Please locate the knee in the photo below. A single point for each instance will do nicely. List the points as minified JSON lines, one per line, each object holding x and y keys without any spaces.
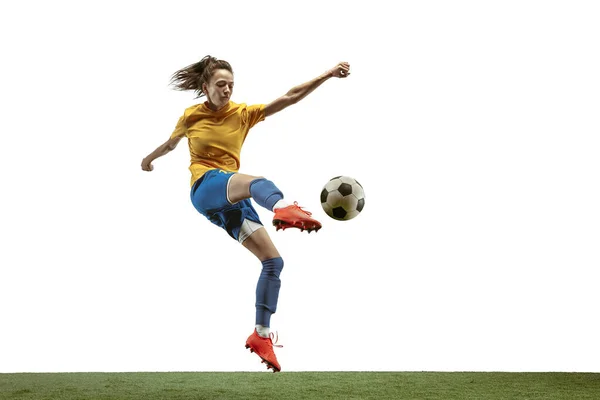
{"x":278,"y":263}
{"x":256,"y":180}
{"x":273,"y":266}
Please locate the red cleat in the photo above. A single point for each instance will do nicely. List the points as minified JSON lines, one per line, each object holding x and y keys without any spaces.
{"x":294,"y":216}
{"x":263,"y":347}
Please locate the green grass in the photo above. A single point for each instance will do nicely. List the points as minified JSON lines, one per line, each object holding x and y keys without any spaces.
{"x":300,"y":385}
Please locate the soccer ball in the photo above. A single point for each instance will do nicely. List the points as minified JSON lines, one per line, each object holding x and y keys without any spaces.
{"x":342,"y":198}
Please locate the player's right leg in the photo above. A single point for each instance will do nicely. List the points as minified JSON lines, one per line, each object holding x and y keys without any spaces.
{"x":267,"y":294}
{"x":242,"y":223}
{"x":267,"y":195}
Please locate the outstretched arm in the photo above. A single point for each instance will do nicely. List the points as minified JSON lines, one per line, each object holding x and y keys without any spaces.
{"x":341,"y":70}
{"x":159,"y":152}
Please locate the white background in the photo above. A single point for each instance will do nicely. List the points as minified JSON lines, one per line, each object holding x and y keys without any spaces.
{"x":473,"y":127}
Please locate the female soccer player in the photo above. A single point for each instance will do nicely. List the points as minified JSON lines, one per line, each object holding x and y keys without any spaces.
{"x":216,"y":130}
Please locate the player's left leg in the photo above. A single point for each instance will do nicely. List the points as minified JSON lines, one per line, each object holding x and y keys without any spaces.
{"x":267,"y":195}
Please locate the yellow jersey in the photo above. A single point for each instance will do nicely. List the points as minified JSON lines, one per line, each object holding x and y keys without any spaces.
{"x":215,"y":138}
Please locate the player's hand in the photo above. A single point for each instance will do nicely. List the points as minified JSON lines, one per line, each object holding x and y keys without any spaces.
{"x":147,"y":165}
{"x":342,"y":70}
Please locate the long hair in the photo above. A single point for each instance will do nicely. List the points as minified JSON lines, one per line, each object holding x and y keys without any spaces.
{"x":194,"y":75}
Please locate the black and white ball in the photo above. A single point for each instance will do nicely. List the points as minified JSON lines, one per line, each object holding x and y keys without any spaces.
{"x":342,"y":198}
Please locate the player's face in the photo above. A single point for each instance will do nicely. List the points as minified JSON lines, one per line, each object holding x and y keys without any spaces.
{"x":219,"y":89}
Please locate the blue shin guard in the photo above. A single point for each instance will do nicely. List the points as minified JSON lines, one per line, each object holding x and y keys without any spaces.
{"x":267,"y":290}
{"x":265,"y":193}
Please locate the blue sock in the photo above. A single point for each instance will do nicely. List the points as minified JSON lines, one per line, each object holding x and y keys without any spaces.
{"x":265,"y":193}
{"x":267,"y":290}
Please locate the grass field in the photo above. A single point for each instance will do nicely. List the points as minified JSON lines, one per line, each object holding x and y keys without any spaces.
{"x":300,"y":385}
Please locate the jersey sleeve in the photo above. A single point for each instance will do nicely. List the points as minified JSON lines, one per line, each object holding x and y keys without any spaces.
{"x":256,"y":113}
{"x":180,"y":128}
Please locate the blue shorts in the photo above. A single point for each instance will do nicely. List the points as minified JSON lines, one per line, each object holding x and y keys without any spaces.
{"x":209,"y":197}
